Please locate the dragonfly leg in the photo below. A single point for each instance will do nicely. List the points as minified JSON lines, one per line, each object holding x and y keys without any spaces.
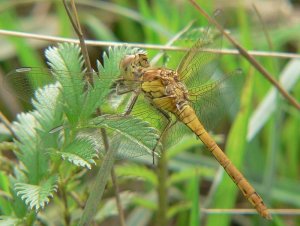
{"x":168,"y":125}
{"x":173,"y":123}
{"x":120,"y":90}
{"x":132,"y":102}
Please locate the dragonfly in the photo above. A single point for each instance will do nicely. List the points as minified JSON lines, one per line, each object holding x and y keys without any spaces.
{"x":171,"y":92}
{"x":190,"y":94}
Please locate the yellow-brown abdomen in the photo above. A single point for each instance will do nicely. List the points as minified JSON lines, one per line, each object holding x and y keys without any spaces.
{"x":187,"y":116}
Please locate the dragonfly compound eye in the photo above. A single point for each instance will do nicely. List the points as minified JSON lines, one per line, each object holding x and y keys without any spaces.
{"x":143,"y":60}
{"x":126,"y":61}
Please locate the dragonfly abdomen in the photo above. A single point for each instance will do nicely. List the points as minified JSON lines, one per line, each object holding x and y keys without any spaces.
{"x":188,"y":116}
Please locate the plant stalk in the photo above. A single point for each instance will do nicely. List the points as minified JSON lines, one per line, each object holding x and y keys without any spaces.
{"x":162,"y":190}
{"x":78,"y":30}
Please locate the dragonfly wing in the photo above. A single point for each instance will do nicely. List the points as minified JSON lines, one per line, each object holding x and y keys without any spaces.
{"x":214,"y":99}
{"x":200,"y":62}
{"x":26,"y":80}
{"x":149,"y":113}
{"x":175,"y":133}
{"x":136,"y":137}
{"x":146,"y":112}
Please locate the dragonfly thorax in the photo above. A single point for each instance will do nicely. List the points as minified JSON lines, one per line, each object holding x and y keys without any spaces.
{"x":164,"y":90}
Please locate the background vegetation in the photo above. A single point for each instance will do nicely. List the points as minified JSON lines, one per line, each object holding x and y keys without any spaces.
{"x":262,"y":139}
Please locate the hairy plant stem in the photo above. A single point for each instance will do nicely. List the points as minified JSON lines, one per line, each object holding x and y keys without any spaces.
{"x":162,"y":190}
{"x":78,"y":30}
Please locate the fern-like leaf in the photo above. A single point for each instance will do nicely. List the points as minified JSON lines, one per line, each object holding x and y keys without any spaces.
{"x":31,"y":151}
{"x":32,"y":130}
{"x":48,"y":108}
{"x":107,"y":74}
{"x":66,"y":62}
{"x":37,"y":196}
{"x":138,"y":137}
{"x":80,"y":152}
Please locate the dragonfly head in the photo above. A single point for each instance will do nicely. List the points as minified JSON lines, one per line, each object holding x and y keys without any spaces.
{"x":132,"y":66}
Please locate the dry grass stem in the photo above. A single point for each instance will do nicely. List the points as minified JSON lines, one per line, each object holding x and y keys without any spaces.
{"x":50,"y":38}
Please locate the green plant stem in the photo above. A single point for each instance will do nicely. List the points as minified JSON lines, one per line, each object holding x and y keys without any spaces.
{"x":98,"y":188}
{"x":272,"y":156}
{"x":162,"y":190}
{"x":31,"y":218}
{"x":118,"y":199}
{"x":76,"y":25}
{"x":113,"y":178}
{"x":67,"y":216}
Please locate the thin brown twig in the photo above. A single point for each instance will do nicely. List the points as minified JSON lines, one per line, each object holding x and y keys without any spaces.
{"x":77,"y":199}
{"x":142,"y":45}
{"x":264,"y":27}
{"x":76,"y":25}
{"x":251,"y":59}
{"x":7,"y":124}
{"x":295,"y":212}
{"x":267,"y":35}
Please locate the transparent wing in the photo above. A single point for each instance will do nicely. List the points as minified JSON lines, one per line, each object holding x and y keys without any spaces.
{"x":214,"y":99}
{"x":200,"y":62}
{"x":137,"y":137}
{"x":144,"y":111}
{"x":149,"y":113}
{"x":27,"y":79}
{"x":23,"y":79}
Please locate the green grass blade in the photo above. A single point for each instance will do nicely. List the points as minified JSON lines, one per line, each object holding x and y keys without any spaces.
{"x":194,"y":199}
{"x":288,"y":78}
{"x":98,"y":188}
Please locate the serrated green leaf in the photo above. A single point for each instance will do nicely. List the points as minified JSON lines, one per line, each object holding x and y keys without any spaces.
{"x":138,"y":137}
{"x":67,"y":63}
{"x":48,"y":108}
{"x":37,"y":196}
{"x":32,"y":130}
{"x":31,"y":153}
{"x":107,"y":74}
{"x":80,"y":152}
